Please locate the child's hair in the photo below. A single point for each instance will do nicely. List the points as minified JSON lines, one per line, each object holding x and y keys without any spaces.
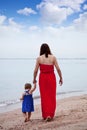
{"x":27,"y":86}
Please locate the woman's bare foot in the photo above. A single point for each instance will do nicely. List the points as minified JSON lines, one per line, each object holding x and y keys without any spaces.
{"x":48,"y":119}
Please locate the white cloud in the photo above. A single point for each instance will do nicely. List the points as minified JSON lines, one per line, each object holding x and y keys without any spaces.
{"x":26,"y":11}
{"x":2,"y":19}
{"x":74,"y":4}
{"x":85,"y":7}
{"x":55,"y":12}
{"x":10,"y":29}
{"x":13,"y":25}
{"x":64,"y":41}
{"x":81,"y":23}
{"x":33,"y":28}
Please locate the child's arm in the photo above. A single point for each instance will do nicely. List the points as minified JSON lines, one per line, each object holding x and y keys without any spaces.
{"x":22,"y":97}
{"x":33,"y":89}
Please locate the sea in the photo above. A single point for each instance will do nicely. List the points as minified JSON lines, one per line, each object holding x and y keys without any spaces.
{"x":15,"y":72}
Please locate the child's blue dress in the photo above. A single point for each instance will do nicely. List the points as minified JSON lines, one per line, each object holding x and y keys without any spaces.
{"x":27,"y":104}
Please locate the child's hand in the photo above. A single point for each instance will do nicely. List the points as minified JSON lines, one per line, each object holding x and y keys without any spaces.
{"x":21,"y":98}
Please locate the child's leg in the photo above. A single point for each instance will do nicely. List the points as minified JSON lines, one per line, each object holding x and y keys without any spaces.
{"x":25,"y":116}
{"x":28,"y":116}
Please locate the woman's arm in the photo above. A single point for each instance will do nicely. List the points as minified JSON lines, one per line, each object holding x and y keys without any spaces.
{"x":36,"y":70}
{"x":58,"y":71}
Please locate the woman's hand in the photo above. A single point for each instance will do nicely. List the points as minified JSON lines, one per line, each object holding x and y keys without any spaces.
{"x":61,"y":82}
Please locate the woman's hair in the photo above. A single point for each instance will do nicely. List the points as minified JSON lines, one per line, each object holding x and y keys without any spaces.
{"x":27,"y":86}
{"x":44,"y":49}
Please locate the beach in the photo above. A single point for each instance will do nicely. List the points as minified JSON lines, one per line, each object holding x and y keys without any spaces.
{"x":71,"y":114}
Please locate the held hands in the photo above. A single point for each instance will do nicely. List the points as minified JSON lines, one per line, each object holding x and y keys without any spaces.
{"x":30,"y":92}
{"x":33,"y":89}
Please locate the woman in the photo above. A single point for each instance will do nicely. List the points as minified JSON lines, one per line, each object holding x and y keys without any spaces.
{"x":47,"y":81}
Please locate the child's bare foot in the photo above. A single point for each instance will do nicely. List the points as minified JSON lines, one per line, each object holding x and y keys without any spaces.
{"x":25,"y":120}
{"x":28,"y":119}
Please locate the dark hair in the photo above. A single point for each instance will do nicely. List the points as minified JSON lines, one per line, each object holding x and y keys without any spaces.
{"x":44,"y":49}
{"x":27,"y":86}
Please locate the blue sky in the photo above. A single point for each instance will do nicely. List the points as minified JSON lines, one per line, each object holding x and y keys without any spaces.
{"x":26,"y":24}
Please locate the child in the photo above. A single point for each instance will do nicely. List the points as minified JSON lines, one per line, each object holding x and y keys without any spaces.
{"x":27,"y":104}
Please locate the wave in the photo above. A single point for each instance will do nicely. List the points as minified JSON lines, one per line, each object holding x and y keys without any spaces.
{"x":9,"y":102}
{"x":16,"y":101}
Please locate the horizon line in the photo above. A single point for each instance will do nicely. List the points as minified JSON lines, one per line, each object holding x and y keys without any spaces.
{"x":33,"y":58}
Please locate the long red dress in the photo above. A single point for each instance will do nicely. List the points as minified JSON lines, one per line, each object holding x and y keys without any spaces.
{"x":47,"y":84}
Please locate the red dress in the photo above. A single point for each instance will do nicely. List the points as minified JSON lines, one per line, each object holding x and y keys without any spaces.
{"x":47,"y":84}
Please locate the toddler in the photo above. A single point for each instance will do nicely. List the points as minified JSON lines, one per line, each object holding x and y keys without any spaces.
{"x":27,"y":104}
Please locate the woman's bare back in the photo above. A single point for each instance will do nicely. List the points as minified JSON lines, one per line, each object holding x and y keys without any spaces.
{"x":46,"y":60}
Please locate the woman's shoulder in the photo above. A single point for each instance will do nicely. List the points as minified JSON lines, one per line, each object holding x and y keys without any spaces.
{"x":38,"y":58}
{"x":52,"y":56}
{"x":53,"y":59}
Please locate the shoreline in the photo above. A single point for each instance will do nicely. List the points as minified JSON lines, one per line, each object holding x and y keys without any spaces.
{"x":62,"y":95}
{"x":71,"y":114}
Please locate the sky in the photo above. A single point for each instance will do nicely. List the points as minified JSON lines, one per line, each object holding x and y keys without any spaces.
{"x":26,"y":24}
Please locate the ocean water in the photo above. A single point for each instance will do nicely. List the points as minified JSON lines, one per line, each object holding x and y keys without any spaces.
{"x":14,"y":73}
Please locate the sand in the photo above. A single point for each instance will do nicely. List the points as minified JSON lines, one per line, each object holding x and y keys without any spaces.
{"x":71,"y":114}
